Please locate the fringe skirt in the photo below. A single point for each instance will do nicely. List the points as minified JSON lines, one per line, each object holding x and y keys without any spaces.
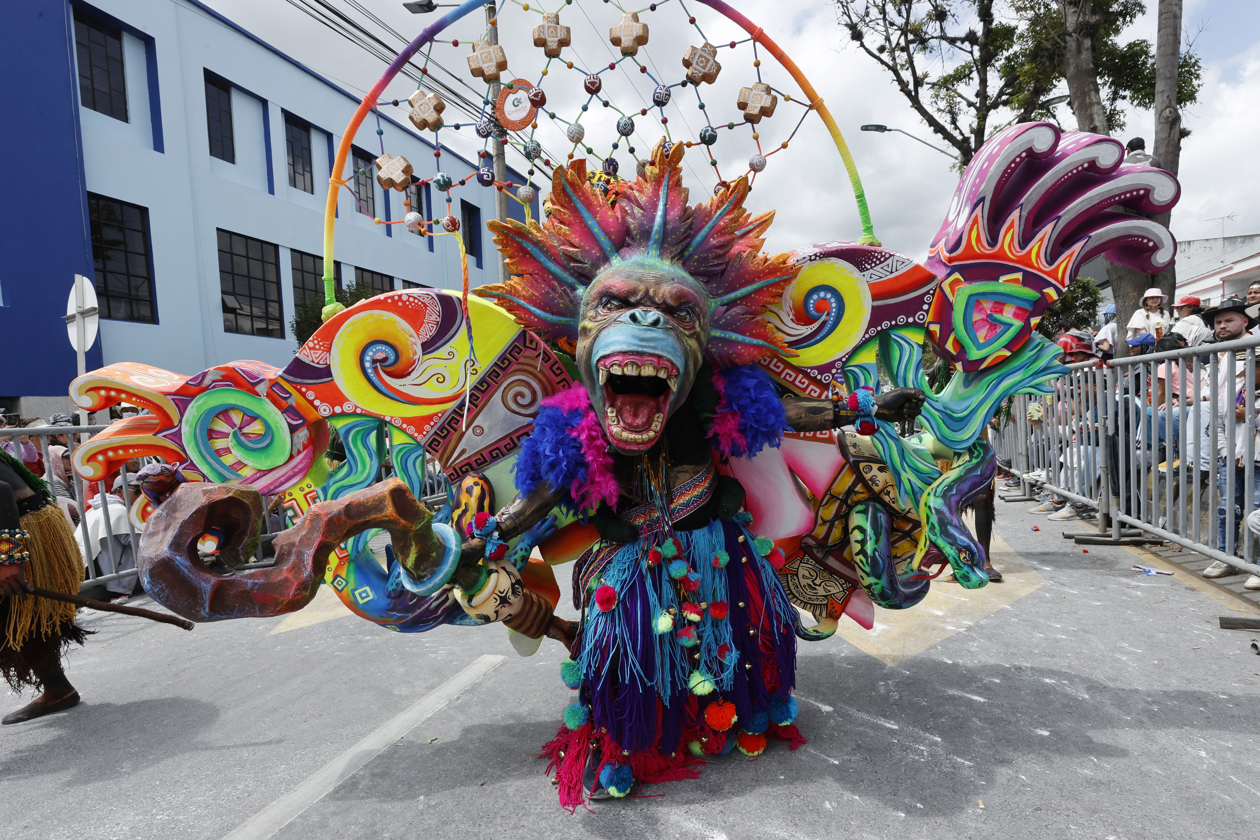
{"x":687,"y":649}
{"x":37,"y":629}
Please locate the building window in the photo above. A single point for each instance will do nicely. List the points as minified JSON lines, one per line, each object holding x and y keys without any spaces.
{"x":407,"y":284}
{"x":120,"y":251}
{"x":219,"y":119}
{"x":308,"y":278}
{"x":297,"y":141}
{"x":415,"y":198}
{"x":249,"y":280}
{"x":373,"y":280}
{"x":470,"y":229}
{"x":364,"y":179}
{"x":102,"y":82}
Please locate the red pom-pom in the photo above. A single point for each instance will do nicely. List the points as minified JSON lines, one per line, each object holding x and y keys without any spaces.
{"x":776,"y":558}
{"x":605,"y":597}
{"x":750,"y":745}
{"x":498,"y":552}
{"x":866,"y":427}
{"x":654,"y":557}
{"x":720,"y":715}
{"x":480,"y":520}
{"x":724,"y":651}
{"x":719,"y":609}
{"x":691,"y":612}
{"x":853,"y":403}
{"x":691,"y":582}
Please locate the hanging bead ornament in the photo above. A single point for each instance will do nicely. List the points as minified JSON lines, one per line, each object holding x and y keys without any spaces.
{"x":661,"y":96}
{"x":575,"y":132}
{"x":527,"y":194}
{"x":757,"y":162}
{"x":442,"y":181}
{"x":485,"y":176}
{"x":593,"y":84}
{"x":625,"y":126}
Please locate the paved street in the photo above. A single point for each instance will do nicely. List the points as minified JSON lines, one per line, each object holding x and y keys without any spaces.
{"x":1077,"y":699}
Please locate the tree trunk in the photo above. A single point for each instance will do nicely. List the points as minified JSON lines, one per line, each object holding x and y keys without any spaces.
{"x":1167,"y":146}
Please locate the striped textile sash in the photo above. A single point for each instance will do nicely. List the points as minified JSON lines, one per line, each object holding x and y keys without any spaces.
{"x":684,"y":500}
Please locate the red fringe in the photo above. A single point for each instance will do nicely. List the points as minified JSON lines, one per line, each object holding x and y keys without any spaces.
{"x":790,"y":733}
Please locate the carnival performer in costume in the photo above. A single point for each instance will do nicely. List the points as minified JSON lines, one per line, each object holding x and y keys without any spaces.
{"x":36,"y":546}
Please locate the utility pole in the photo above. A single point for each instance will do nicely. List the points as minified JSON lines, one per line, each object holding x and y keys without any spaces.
{"x":497,"y":147}
{"x":1167,"y":146}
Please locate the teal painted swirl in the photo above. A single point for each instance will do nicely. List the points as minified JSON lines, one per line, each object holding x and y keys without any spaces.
{"x":265,"y":452}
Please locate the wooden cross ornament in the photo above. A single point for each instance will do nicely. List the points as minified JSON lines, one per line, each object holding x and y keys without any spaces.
{"x":487,"y":61}
{"x":757,"y":102}
{"x":551,"y":36}
{"x":394,"y":173}
{"x":426,"y":110}
{"x":702,"y":64}
{"x":629,"y":34}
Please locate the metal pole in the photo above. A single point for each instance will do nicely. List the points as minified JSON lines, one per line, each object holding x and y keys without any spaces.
{"x":81,"y":327}
{"x":497,"y":147}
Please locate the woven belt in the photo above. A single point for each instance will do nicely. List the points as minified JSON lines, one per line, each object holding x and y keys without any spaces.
{"x":686,"y":499}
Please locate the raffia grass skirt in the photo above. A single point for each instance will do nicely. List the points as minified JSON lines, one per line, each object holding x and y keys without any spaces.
{"x":35,"y":629}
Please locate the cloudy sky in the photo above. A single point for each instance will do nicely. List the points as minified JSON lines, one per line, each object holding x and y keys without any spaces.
{"x":907,"y":184}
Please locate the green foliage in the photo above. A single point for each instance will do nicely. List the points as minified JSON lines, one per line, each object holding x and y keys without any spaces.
{"x":308,"y":313}
{"x":1075,"y":309}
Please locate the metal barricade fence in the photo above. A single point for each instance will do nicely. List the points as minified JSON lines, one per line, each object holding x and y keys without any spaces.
{"x":1161,"y":446}
{"x":42,"y":437}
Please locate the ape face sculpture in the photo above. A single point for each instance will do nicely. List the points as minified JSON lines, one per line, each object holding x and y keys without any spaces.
{"x":642,"y":332}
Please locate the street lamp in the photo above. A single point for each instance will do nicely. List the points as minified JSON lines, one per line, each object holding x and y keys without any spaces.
{"x":883,"y":129}
{"x":423,"y":7}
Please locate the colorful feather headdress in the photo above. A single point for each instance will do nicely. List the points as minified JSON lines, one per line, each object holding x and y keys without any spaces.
{"x":718,"y":243}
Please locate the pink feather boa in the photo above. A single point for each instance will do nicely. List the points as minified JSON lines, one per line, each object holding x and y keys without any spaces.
{"x":600,"y":484}
{"x":725,"y":430}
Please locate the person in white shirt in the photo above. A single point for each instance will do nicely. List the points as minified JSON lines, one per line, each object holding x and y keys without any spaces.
{"x":1105,"y":340}
{"x":1189,"y":323}
{"x":1151,"y":318}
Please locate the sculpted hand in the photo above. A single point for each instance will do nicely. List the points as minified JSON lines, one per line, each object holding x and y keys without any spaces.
{"x":899,"y":404}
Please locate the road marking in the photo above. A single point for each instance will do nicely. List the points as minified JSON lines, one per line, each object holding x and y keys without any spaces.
{"x":284,"y":810}
{"x":326,"y":606}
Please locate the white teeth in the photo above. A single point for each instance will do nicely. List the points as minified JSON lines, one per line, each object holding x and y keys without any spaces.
{"x":603,"y":375}
{"x":657,"y":420}
{"x":648,"y":369}
{"x":631,"y":368}
{"x":615,"y":369}
{"x":611,"y":414}
{"x":673,"y":382}
{"x":662,"y":372}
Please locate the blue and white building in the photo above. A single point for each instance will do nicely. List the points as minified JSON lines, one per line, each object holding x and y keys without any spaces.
{"x":182,"y":164}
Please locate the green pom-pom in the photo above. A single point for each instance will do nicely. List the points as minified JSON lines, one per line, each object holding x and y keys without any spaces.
{"x":701,"y":683}
{"x":575,"y":716}
{"x":668,"y":550}
{"x":664,"y":623}
{"x":720,"y":559}
{"x":571,"y":673}
{"x":763,"y":546}
{"x":696,"y":748}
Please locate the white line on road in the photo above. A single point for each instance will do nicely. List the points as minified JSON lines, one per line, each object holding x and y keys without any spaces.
{"x":287,"y":808}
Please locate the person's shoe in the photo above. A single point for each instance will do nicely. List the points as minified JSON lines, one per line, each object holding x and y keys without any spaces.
{"x":1219,"y":569}
{"x":994,"y":575}
{"x":1045,"y":507}
{"x":1252,"y":583}
{"x":1067,"y":514}
{"x":37,"y":709}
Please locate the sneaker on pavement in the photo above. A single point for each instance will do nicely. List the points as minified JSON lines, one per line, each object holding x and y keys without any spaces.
{"x":1045,"y":507}
{"x":1219,"y":569}
{"x":1068,"y":513}
{"x":1253,"y":583}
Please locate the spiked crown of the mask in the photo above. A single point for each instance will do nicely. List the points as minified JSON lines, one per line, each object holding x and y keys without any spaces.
{"x":718,"y":243}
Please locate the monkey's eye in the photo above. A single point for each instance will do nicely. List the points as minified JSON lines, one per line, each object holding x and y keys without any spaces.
{"x":613,"y":303}
{"x":686,"y":314}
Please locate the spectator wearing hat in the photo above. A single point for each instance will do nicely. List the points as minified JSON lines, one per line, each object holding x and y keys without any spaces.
{"x":1189,"y":311}
{"x":1151,"y":318}
{"x":1231,"y":320}
{"x":1105,"y":340}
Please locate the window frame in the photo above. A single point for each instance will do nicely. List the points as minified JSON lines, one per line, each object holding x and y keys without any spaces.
{"x":316,"y":270}
{"x":361,"y":273}
{"x":364,"y":181}
{"x":232,"y":289}
{"x":87,"y":85}
{"x":471,"y":231}
{"x":227,"y":137}
{"x":106,"y":299}
{"x":294,"y":124}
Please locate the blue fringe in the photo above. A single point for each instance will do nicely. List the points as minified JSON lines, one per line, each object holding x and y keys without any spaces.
{"x":762,"y":420}
{"x":550,"y":453}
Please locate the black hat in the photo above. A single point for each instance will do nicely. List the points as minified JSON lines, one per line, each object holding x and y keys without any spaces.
{"x":1232,"y":304}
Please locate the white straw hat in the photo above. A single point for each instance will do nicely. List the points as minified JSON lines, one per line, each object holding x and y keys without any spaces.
{"x":1153,"y":293}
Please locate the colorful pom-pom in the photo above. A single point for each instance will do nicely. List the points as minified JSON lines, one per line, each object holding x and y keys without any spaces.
{"x":720,"y":559}
{"x":605,"y":598}
{"x":692,"y":612}
{"x":719,"y":609}
{"x":691,"y":582}
{"x":654,"y":557}
{"x":866,"y":427}
{"x":678,"y":569}
{"x":700,"y":683}
{"x":742,"y":518}
{"x":720,"y":715}
{"x":783,"y":712}
{"x":724,"y":651}
{"x":687,"y":636}
{"x":481,"y":520}
{"x":695,"y":748}
{"x":763,"y":545}
{"x":571,"y":673}
{"x":617,"y":780}
{"x":576,"y":716}
{"x":777,"y":558}
{"x":853,"y":402}
{"x":498,"y":552}
{"x":757,"y":723}
{"x":750,"y":745}
{"x":671,"y":548}
{"x":865,"y":400}
{"x":664,"y":623}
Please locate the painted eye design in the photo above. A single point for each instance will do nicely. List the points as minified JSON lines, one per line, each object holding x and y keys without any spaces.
{"x":686,"y":314}
{"x":614,"y":303}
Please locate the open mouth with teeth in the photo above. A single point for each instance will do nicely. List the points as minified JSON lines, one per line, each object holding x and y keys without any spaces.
{"x":637,"y":388}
